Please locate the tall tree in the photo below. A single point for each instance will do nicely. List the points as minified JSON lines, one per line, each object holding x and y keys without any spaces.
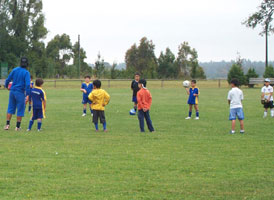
{"x":85,"y":68}
{"x":263,"y":17}
{"x":99,"y":66}
{"x":167,"y":67}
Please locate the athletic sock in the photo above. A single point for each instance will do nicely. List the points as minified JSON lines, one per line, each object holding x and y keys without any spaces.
{"x":85,"y":111}
{"x":18,"y":124}
{"x":96,"y":126}
{"x":29,"y":108}
{"x":190,"y":113}
{"x":39,"y":125}
{"x":272,"y":112}
{"x":197,"y":114}
{"x":135,"y":108}
{"x":30,"y":124}
{"x":8,"y":122}
{"x":265,"y":114}
{"x":105,"y":126}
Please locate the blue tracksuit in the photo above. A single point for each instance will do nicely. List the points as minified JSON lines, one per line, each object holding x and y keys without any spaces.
{"x":20,"y":78}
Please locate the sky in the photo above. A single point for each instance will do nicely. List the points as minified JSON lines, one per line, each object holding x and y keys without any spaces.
{"x":213,"y":27}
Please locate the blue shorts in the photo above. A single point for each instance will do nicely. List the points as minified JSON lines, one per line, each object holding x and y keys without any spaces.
{"x":134,"y":99}
{"x":37,"y":114}
{"x":236,"y":113}
{"x":16,"y":101}
{"x":86,"y":101}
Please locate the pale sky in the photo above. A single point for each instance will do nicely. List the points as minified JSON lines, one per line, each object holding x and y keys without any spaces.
{"x":111,"y":27}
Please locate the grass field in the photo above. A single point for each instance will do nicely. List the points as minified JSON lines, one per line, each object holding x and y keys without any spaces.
{"x":181,"y":160}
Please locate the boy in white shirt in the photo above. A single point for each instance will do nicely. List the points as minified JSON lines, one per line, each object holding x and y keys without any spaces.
{"x":235,"y":98}
{"x":267,"y":97}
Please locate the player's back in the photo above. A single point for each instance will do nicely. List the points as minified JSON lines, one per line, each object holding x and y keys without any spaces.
{"x":37,"y":96}
{"x":235,"y":96}
{"x":99,"y":98}
{"x":19,"y":78}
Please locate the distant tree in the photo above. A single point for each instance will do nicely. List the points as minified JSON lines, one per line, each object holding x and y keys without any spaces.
{"x":113,"y":71}
{"x":99,"y":66}
{"x":236,"y":71}
{"x":263,"y":17}
{"x":251,"y":73}
{"x":142,"y":58}
{"x":84,"y":67}
{"x":269,"y":72}
{"x":167,"y":67}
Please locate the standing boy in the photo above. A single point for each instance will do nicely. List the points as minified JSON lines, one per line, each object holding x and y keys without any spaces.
{"x":135,"y":88}
{"x":86,"y":88}
{"x":193,"y":93}
{"x":38,"y":98}
{"x":267,"y":97}
{"x":19,"y":92}
{"x":144,"y":100}
{"x":235,"y":98}
{"x":99,"y":98}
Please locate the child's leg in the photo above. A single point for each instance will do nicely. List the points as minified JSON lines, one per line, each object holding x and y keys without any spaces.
{"x":242,"y":125}
{"x":190,"y":110}
{"x":149,"y":122}
{"x":39,"y":124}
{"x":30,"y":124}
{"x":233,"y":125}
{"x":30,"y":103}
{"x":135,"y":106}
{"x":141,"y":120}
{"x":265,"y":112}
{"x":103,"y":120}
{"x":197,"y":110}
{"x":95,"y":119}
{"x":91,"y":111}
{"x":84,"y":108}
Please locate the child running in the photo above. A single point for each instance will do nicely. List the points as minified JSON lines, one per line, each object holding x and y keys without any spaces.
{"x":38,"y":98}
{"x":99,"y":98}
{"x":267,"y":98}
{"x":193,"y":93}
{"x":86,"y":88}
{"x":144,"y":103}
{"x":235,"y":98}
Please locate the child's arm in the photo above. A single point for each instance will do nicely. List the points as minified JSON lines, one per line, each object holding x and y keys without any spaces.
{"x":90,"y":97}
{"x":187,"y":91}
{"x":44,"y":104}
{"x":107,"y":99}
{"x":82,"y":89}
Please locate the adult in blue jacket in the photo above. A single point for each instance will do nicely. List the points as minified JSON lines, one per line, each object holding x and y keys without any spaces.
{"x":19,"y":92}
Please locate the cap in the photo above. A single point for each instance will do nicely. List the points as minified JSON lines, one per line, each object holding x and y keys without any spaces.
{"x":267,"y":80}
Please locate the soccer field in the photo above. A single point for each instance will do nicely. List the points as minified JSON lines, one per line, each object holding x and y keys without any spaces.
{"x":181,"y":160}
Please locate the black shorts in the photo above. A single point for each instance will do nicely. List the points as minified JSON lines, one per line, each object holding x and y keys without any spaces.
{"x":99,"y":114}
{"x":269,"y":104}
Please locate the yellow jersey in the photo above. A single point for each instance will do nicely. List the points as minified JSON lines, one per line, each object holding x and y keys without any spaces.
{"x":100,"y":98}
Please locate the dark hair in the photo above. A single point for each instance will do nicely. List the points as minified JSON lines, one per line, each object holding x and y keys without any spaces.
{"x":144,"y":82}
{"x":235,"y":82}
{"x":87,"y":76}
{"x":97,"y":83}
{"x":194,"y":81}
{"x":39,"y":82}
{"x":24,"y":62}
{"x":137,"y":74}
{"x":31,"y":77}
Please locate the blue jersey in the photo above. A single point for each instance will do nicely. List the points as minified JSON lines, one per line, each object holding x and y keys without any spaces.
{"x":193,"y":99}
{"x":38,"y":96}
{"x":20,"y":78}
{"x":88,"y":87}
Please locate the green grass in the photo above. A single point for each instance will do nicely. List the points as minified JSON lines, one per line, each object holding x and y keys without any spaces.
{"x":182,"y":160}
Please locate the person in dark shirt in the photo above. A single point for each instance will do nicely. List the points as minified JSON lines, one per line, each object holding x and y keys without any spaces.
{"x":135,"y":88}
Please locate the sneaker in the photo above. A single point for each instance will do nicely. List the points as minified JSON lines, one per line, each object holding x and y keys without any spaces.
{"x":39,"y":130}
{"x":7,"y":127}
{"x":91,"y":114}
{"x":28,"y":130}
{"x":242,"y":131}
{"x":106,"y":131}
{"x":17,"y":129}
{"x":188,"y":118}
{"x":83,"y":115}
{"x":232,"y":132}
{"x":197,"y":118}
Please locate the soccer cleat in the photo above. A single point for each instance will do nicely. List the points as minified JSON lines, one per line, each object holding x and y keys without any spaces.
{"x":17,"y":129}
{"x":232,"y":132}
{"x":188,"y":118}
{"x":28,"y":130}
{"x":7,"y":127}
{"x":39,"y":130}
{"x":83,"y":115}
{"x":242,"y":131}
{"x":197,"y":118}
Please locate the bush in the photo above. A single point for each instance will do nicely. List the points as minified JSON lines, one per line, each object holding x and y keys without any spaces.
{"x":251,"y":73}
{"x":236,"y":71}
{"x":269,"y":72}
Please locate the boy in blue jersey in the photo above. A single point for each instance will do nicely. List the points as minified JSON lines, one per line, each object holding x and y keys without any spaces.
{"x":86,"y":88}
{"x":19,"y":92}
{"x":193,"y":93}
{"x":38,"y":98}
{"x":135,"y":88}
{"x":31,"y":86}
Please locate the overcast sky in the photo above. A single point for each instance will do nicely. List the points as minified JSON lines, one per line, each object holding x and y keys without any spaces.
{"x":212,"y":27}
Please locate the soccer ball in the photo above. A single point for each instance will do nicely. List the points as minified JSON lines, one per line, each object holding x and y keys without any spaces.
{"x":186,"y":84}
{"x":132,"y":112}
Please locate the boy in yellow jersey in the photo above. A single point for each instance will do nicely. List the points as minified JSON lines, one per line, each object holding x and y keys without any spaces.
{"x":193,"y":93}
{"x":38,"y":98}
{"x":99,"y":98}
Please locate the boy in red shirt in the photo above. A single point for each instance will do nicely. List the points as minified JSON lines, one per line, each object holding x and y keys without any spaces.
{"x":144,"y":100}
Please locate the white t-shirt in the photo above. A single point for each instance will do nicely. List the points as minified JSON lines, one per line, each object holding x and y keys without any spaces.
{"x":235,"y":95}
{"x":267,"y":91}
